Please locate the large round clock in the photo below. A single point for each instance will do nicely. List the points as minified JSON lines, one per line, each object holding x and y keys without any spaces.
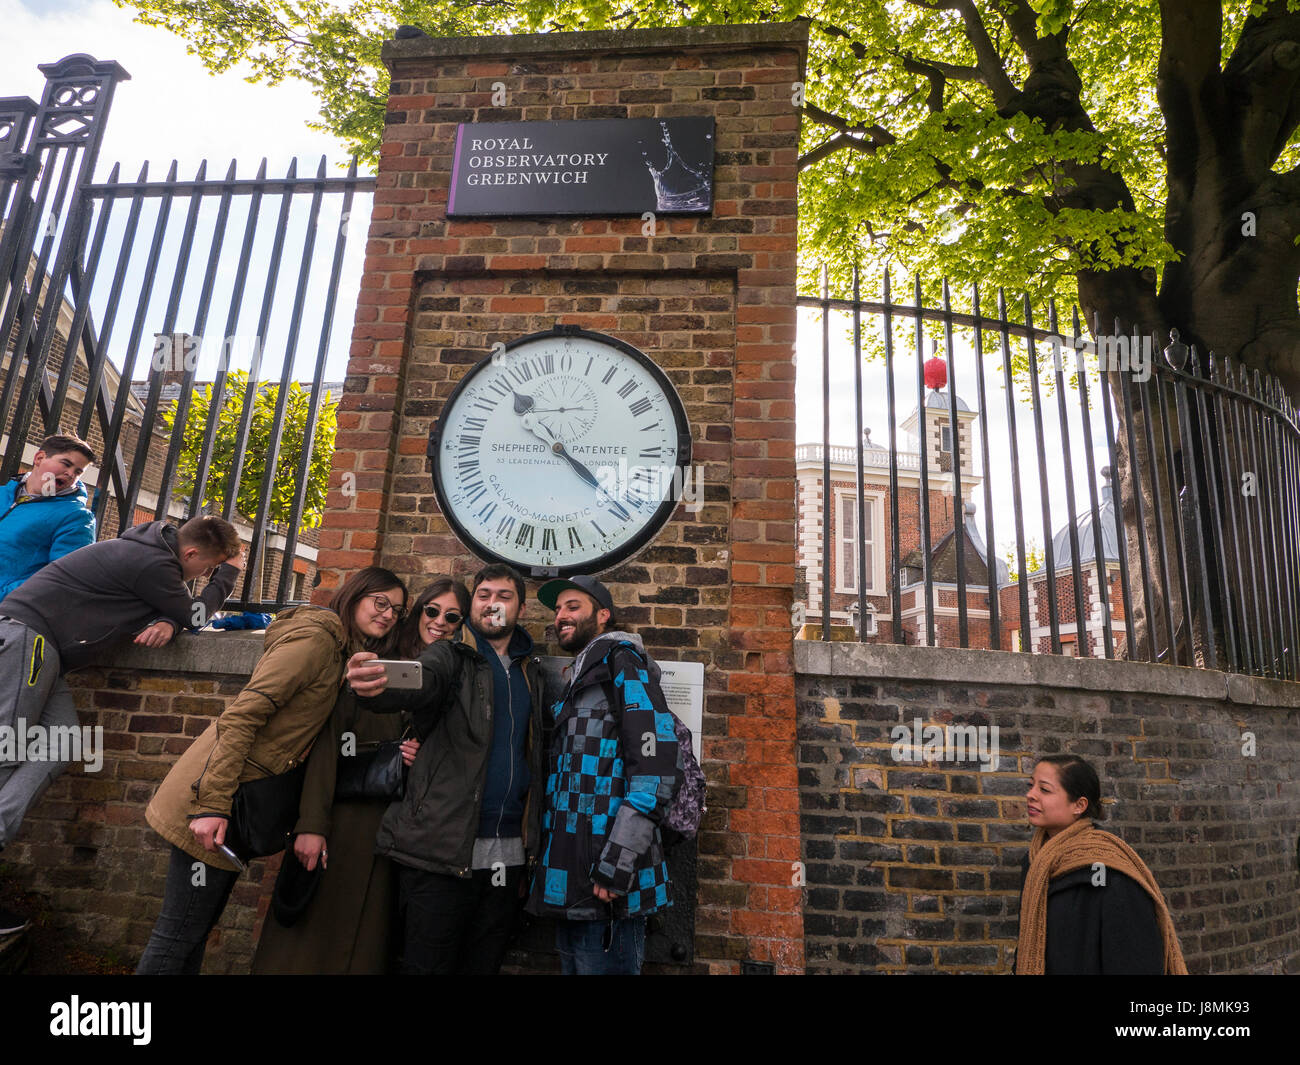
{"x":564,"y":452}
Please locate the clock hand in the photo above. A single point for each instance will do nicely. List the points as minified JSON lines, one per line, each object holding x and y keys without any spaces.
{"x":556,"y":410}
{"x":523,"y":403}
{"x":531,"y":424}
{"x":578,"y":467}
{"x":557,"y":448}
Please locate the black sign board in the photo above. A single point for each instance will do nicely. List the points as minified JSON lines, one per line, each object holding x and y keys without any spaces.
{"x":596,"y":167}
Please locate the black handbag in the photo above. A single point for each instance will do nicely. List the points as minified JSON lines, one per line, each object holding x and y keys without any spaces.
{"x":374,"y":772}
{"x":295,"y":887}
{"x":263,"y":813}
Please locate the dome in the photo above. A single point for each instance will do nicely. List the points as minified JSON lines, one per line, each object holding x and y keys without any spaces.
{"x":939,"y":401}
{"x":1061,"y":555}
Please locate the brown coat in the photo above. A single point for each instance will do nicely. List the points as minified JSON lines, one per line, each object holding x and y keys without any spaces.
{"x":267,"y":730}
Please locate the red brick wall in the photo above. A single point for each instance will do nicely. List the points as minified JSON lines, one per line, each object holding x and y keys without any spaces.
{"x":85,"y":847}
{"x":710,"y":298}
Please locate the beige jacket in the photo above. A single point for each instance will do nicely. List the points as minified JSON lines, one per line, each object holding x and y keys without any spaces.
{"x":268,"y":729}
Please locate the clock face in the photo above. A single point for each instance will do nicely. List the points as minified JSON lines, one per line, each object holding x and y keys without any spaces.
{"x":565,"y":453}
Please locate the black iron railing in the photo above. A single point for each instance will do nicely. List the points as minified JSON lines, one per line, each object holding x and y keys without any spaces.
{"x":101,"y":282}
{"x":1189,"y":555}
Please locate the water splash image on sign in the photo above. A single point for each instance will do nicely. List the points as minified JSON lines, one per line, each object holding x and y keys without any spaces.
{"x":678,"y":185}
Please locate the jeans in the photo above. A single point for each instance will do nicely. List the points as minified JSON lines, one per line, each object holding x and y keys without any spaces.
{"x":583,"y":952}
{"x":454,"y":925}
{"x":189,"y":913}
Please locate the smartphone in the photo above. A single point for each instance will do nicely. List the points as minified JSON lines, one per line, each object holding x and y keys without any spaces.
{"x":231,"y":855}
{"x":401,"y":674}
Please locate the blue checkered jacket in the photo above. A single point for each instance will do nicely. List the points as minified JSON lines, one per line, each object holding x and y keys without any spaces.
{"x":611,"y":774}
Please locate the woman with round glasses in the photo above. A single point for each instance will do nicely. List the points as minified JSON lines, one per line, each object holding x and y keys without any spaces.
{"x":266,"y":730}
{"x":348,"y":925}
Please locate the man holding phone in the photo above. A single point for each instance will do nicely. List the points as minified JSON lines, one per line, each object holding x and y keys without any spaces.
{"x":469,"y":820}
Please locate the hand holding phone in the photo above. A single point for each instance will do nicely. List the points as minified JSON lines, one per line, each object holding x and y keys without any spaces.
{"x":363,"y":675}
{"x":401,"y":674}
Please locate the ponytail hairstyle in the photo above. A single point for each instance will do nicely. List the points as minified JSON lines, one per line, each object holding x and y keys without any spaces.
{"x":1079,"y":780}
{"x":366,"y":582}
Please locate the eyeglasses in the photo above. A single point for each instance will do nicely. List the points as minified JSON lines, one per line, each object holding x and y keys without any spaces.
{"x":452,"y":617}
{"x":383,"y":604}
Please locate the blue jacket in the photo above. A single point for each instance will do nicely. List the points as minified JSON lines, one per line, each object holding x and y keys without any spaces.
{"x":39,"y":530}
{"x":611,"y":776}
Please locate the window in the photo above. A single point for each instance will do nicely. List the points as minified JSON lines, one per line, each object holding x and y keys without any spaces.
{"x":945,"y":438}
{"x":846,"y":540}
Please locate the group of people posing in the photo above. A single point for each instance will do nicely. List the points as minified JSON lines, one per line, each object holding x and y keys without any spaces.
{"x":514,"y":795}
{"x":513,"y":792}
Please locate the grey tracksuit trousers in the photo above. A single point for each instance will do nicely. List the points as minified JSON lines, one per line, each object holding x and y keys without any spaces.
{"x":31,"y":692}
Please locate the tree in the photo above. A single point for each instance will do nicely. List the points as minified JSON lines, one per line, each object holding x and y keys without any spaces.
{"x":256,"y":449}
{"x":1138,"y":156}
{"x":1035,"y":559}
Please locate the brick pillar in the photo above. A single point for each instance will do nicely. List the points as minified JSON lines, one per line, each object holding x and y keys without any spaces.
{"x":710,"y":298}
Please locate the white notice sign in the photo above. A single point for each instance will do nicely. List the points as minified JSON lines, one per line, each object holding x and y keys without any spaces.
{"x":683,"y":686}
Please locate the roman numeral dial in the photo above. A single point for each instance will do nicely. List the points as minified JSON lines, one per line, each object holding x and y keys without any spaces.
{"x":566,"y":454}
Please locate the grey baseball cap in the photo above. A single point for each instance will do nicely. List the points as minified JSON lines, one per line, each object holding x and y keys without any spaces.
{"x":550,"y":591}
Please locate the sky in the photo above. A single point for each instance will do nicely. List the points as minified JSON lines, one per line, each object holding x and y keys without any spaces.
{"x":172,"y":108}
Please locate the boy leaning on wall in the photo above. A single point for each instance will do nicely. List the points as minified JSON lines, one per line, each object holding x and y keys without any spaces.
{"x":79,"y":606}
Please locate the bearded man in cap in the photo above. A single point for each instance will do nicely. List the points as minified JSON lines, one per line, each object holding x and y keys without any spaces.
{"x":611,"y":775}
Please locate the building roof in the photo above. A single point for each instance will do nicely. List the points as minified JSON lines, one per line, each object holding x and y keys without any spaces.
{"x":939,"y":399}
{"x":943,"y":557}
{"x":935,"y":401}
{"x":1061,"y":553}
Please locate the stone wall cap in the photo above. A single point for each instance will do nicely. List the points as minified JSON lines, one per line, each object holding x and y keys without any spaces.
{"x":227,"y":653}
{"x":654,"y":39}
{"x":954,"y":665}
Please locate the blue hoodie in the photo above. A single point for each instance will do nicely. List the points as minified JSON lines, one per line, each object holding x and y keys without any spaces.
{"x":39,"y":529}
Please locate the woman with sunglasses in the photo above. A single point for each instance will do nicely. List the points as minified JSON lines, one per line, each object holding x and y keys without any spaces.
{"x":266,"y":731}
{"x":347,"y":927}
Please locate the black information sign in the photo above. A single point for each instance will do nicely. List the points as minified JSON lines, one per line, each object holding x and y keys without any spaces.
{"x":602,"y":166}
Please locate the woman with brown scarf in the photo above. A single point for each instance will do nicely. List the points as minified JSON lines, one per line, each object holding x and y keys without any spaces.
{"x":1088,"y":903}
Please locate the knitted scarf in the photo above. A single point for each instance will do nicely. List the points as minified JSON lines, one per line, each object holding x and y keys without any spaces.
{"x":1073,"y":848}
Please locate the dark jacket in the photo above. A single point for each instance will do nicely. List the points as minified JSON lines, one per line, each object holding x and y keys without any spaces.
{"x":36,"y":530}
{"x":103,"y":594}
{"x":1095,"y":930}
{"x":612,"y":773}
{"x":505,"y":787}
{"x":347,"y":928}
{"x":435,"y":825}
